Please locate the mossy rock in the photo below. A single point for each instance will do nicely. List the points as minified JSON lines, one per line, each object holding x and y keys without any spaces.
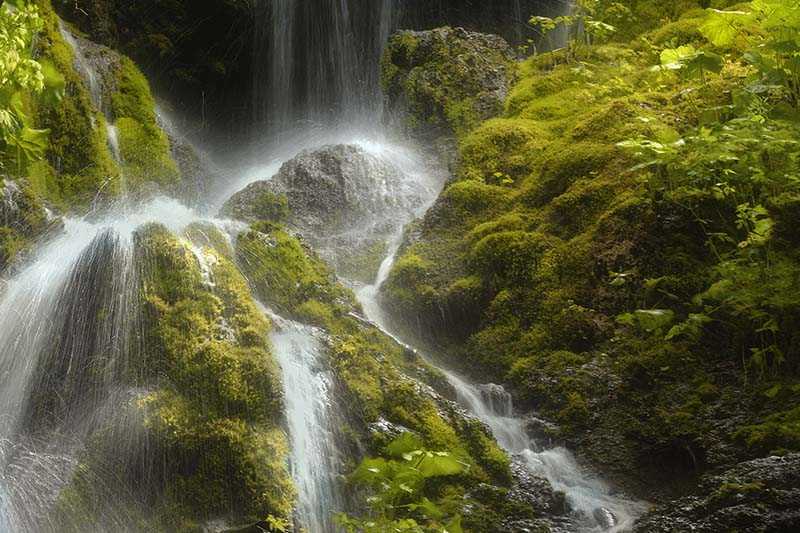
{"x":448,"y":79}
{"x":80,"y":163}
{"x":218,"y":411}
{"x":144,"y":147}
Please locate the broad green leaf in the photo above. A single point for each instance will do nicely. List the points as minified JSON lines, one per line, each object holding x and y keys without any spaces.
{"x":404,"y":444}
{"x":722,"y":27}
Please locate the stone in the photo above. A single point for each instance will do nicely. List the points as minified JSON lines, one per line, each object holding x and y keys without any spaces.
{"x":342,"y":199}
{"x":757,"y":495}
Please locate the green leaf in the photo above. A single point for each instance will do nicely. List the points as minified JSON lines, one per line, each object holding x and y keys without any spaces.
{"x":673,"y":58}
{"x":438,"y":465}
{"x":404,"y":444}
{"x":722,"y":27}
{"x":454,"y":526}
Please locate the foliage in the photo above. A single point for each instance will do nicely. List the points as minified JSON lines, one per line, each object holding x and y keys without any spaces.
{"x":398,"y":483}
{"x":769,"y":31}
{"x":20,"y":76}
{"x":625,"y":235}
{"x":144,"y":147}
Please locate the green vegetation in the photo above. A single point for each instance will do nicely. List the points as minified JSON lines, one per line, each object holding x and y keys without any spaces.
{"x":144,"y":147}
{"x":218,"y":413}
{"x":619,"y":243}
{"x":377,"y":378}
{"x":79,"y":165}
{"x":446,"y":81}
{"x":399,"y":484}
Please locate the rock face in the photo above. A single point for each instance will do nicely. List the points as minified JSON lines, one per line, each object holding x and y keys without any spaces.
{"x":758,"y":495}
{"x":22,"y":218}
{"x":447,"y":80}
{"x":338,"y":197}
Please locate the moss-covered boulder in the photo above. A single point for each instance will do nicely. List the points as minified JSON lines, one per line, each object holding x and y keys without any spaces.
{"x":338,"y":197}
{"x":448,"y":80}
{"x":217,"y":409}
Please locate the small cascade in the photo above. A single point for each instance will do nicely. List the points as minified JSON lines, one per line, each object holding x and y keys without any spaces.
{"x":309,"y":412}
{"x":69,"y":335}
{"x":83,"y":66}
{"x":593,"y":504}
{"x":113,"y":142}
{"x":322,"y":60}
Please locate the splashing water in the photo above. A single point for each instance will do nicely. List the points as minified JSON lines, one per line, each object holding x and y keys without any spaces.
{"x":68,"y":335}
{"x":309,"y":411}
{"x":592,"y":502}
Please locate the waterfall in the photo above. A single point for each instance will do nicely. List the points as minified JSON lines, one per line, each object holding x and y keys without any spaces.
{"x":307,"y":390}
{"x":68,"y":352}
{"x":322,"y":61}
{"x":593,"y":504}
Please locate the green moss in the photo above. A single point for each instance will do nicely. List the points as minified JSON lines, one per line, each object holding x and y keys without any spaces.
{"x":446,"y":80}
{"x":217,"y":414}
{"x":11,"y":242}
{"x":21,"y":225}
{"x":778,"y":432}
{"x":315,"y":313}
{"x":284,"y":273}
{"x":371,"y":369}
{"x":144,"y":147}
{"x":470,"y":198}
{"x":81,"y":166}
{"x":363,"y":263}
{"x":509,"y":258}
{"x":501,"y":150}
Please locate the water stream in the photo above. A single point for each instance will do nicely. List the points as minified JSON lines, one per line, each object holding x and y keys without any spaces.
{"x":307,"y":385}
{"x":68,"y":321}
{"x":593,"y":504}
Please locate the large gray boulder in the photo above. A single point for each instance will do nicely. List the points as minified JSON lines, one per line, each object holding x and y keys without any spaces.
{"x":342,"y":199}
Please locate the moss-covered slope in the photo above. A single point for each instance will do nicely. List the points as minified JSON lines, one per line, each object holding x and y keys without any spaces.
{"x":615,"y":245}
{"x":218,"y":412}
{"x":382,"y":387}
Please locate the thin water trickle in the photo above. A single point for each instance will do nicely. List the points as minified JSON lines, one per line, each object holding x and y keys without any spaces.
{"x":307,"y":385}
{"x":593,"y":504}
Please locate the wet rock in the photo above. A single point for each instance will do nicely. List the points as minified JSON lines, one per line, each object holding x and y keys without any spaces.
{"x":22,"y":218}
{"x":98,"y":65}
{"x":447,"y":79}
{"x":338,"y":198}
{"x":198,"y":171}
{"x":604,"y":518}
{"x":536,"y":491}
{"x":757,"y":495}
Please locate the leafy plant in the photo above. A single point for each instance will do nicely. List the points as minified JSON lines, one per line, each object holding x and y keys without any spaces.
{"x":584,"y":25}
{"x":770,"y":34}
{"x":20,"y":75}
{"x":398,"y":481}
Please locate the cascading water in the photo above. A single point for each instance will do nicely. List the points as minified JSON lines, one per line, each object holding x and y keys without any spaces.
{"x":68,"y":340}
{"x":307,"y":389}
{"x":323,"y":57}
{"x":594,"y":506}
